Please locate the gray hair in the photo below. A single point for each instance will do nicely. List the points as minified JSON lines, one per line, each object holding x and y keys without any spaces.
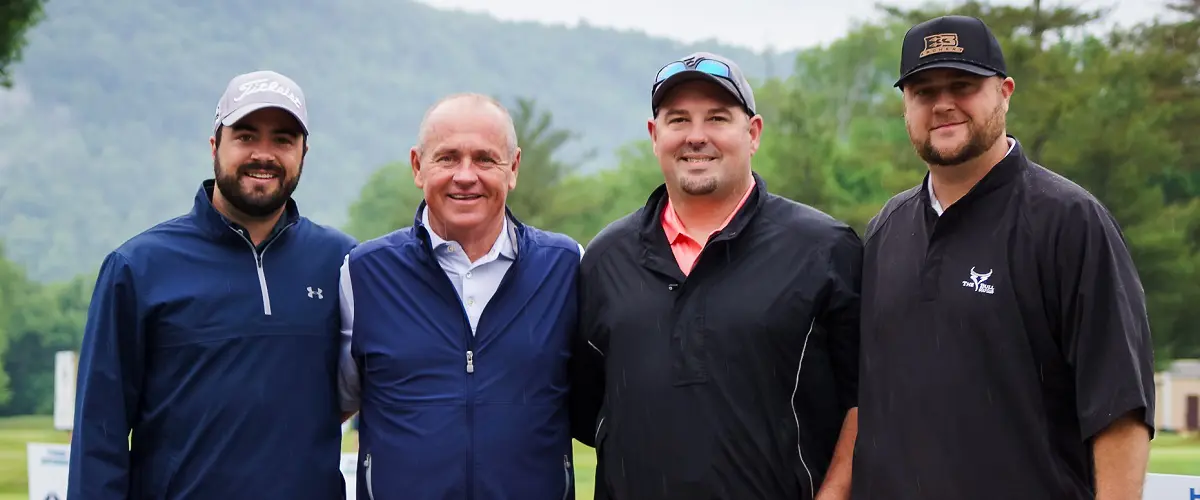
{"x":423,"y":132}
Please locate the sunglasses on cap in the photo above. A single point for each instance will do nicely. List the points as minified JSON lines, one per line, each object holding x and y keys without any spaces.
{"x":714,"y":68}
{"x":708,"y":66}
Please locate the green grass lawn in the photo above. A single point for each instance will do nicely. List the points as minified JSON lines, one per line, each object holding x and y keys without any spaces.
{"x":14,"y":433}
{"x":1171,"y":454}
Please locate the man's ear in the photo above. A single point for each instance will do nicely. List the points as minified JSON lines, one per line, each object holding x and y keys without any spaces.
{"x":212,"y":144}
{"x":756,"y":126}
{"x":414,"y":159}
{"x":516,"y":164}
{"x":1007,"y":87}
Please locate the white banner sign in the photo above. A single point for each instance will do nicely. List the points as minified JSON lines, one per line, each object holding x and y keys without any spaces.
{"x":48,"y":470}
{"x":1171,"y":487}
{"x":48,"y":477}
{"x":349,"y":472}
{"x":64,"y":390}
{"x":48,"y":466}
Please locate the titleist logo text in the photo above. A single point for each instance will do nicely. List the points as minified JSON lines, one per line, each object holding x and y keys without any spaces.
{"x":265,"y":85}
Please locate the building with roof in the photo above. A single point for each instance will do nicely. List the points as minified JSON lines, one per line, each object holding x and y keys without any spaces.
{"x":1177,"y":392}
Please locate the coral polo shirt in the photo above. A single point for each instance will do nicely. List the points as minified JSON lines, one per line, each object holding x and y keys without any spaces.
{"x":685,"y":246}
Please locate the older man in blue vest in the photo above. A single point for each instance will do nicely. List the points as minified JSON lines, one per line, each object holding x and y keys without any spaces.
{"x":456,"y":330}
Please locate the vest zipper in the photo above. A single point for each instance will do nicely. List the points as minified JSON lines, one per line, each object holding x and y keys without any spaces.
{"x":470,"y":355}
{"x":367,"y":466}
{"x":470,"y":412}
{"x":566,"y":476}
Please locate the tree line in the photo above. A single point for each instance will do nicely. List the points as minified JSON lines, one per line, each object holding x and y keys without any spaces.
{"x":1116,"y":111}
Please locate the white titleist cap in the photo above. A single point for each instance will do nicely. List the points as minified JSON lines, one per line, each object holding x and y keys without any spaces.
{"x":251,"y":92}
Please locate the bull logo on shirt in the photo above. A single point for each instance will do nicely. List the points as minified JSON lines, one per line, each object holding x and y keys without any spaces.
{"x":977,"y":282}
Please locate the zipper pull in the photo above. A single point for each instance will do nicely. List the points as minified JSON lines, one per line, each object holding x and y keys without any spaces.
{"x":470,"y":362}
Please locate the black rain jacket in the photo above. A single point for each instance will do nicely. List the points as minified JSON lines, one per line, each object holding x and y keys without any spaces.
{"x":731,"y":383}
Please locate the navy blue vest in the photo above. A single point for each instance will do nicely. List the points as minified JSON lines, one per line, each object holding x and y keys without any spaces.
{"x":435,"y":424}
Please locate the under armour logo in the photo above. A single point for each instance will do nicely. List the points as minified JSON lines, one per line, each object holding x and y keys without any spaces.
{"x":977,"y":282}
{"x":315,"y":293}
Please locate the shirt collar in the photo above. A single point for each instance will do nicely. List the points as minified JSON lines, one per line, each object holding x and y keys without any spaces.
{"x":673,"y":227}
{"x":933,"y":201}
{"x":504,"y":246}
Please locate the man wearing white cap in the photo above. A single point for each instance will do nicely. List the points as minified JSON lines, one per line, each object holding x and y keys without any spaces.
{"x":213,"y":336}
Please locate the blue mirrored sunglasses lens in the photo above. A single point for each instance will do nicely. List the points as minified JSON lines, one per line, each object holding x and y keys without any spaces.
{"x":669,"y":70}
{"x":715,"y":68}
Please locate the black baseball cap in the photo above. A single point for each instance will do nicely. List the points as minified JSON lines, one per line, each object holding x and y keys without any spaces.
{"x":957,"y":42}
{"x":702,"y":66}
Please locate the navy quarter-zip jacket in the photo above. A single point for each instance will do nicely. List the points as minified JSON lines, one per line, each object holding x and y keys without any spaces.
{"x":449,"y":415}
{"x":220,"y":357}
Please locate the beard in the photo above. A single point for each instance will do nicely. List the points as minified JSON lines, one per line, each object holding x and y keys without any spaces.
{"x":253,"y":201}
{"x":980,"y":139}
{"x":705,"y":183}
{"x":699,"y":186}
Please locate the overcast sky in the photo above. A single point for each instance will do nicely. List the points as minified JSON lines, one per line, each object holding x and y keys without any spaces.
{"x":781,"y":24}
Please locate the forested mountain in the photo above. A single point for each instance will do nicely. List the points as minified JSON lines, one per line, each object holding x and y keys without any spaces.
{"x":106,"y":130}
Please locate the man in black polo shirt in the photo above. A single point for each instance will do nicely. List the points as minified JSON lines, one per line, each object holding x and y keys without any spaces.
{"x":1006,"y":349}
{"x":719,"y":322}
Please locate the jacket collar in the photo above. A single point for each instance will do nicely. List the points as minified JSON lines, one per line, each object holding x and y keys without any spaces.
{"x":656,"y":250}
{"x":515,"y":230}
{"x":218,"y":226}
{"x":999,"y":176}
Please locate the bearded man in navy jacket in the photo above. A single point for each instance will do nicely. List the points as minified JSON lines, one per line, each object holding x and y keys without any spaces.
{"x":213,"y":336}
{"x":456,"y":330}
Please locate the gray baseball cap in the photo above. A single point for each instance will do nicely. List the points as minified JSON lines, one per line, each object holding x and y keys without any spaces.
{"x":702,"y":66}
{"x":251,"y":92}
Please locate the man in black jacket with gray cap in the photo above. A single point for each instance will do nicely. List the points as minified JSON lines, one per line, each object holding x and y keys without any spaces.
{"x":1005,"y":345}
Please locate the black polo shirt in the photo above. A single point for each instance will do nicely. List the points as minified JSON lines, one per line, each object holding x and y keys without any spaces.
{"x":997,"y":340}
{"x":729,"y":383}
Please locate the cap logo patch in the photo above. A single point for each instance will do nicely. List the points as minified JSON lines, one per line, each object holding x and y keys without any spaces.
{"x":940,"y":43}
{"x":266,"y":85}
